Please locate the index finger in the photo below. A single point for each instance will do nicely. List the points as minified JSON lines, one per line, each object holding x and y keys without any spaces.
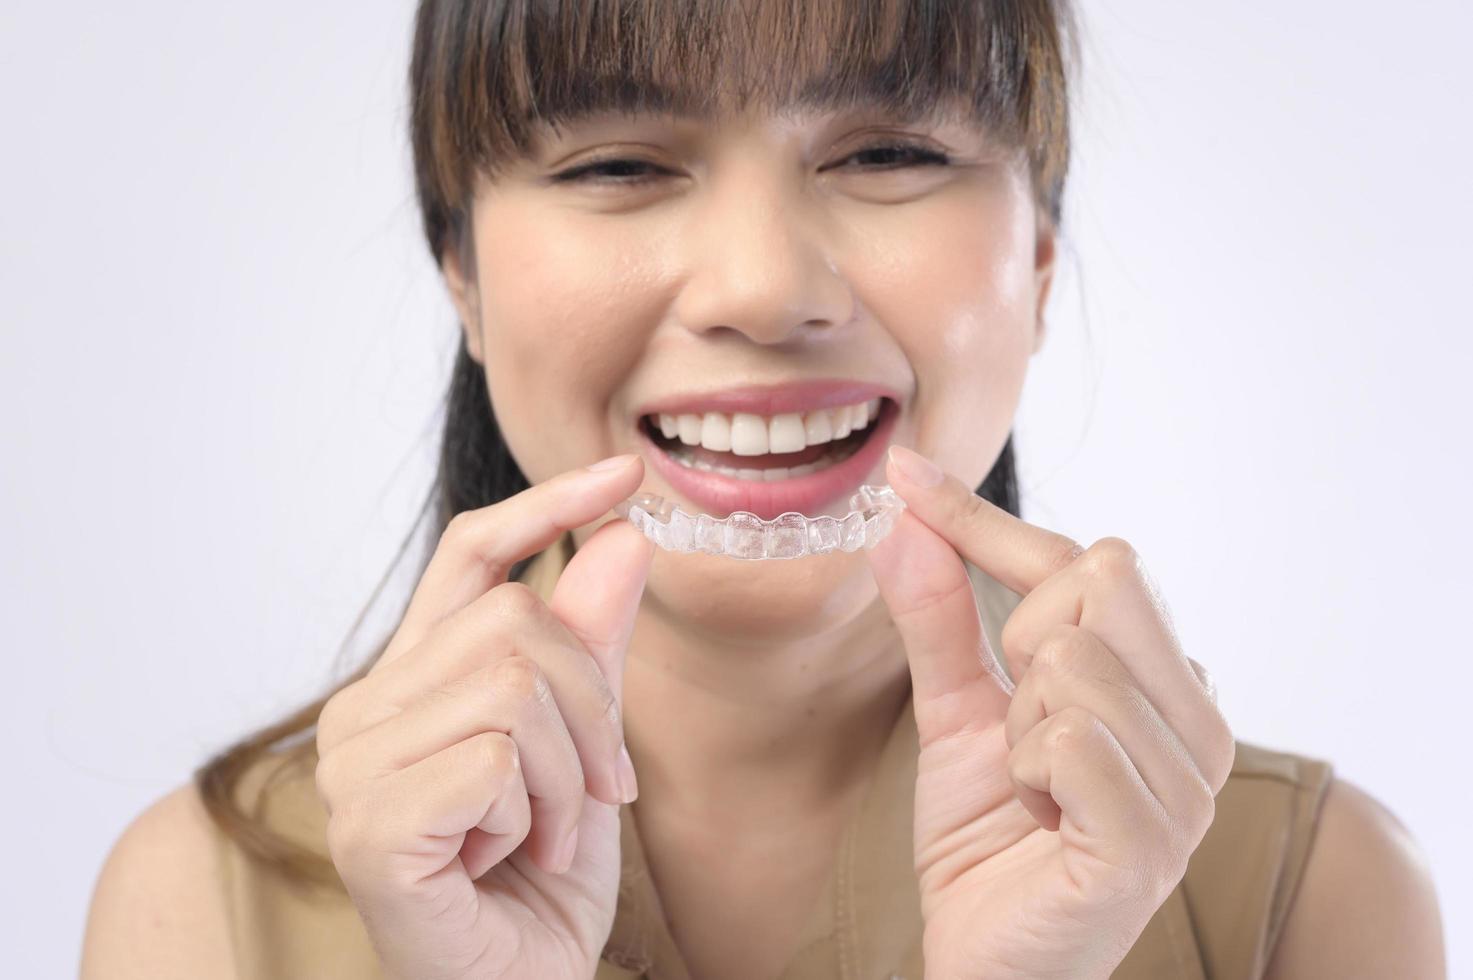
{"x":478,"y":547}
{"x":956,"y":680}
{"x":1019,"y":555}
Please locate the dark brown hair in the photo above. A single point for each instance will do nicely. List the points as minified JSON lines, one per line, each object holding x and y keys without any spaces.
{"x":484,"y":73}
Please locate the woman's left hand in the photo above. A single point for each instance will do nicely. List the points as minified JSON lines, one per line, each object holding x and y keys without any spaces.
{"x":1052,"y":819}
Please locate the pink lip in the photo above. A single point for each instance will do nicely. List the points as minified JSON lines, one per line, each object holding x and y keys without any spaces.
{"x":801,"y":396}
{"x":719,"y":495}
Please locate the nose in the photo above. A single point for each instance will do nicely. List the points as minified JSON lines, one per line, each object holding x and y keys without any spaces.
{"x":761,"y":264}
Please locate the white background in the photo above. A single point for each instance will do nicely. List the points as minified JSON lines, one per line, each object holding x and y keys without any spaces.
{"x":224,"y":347}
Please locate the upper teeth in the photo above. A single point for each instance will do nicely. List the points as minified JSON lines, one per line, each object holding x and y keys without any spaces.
{"x":756,"y":435}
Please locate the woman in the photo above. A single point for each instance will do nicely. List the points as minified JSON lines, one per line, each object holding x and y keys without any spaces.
{"x":699,"y":243}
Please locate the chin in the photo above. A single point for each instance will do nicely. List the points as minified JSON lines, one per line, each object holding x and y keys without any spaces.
{"x":773,"y":601}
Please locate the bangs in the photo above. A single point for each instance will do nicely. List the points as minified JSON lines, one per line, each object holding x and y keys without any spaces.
{"x":486,"y":73}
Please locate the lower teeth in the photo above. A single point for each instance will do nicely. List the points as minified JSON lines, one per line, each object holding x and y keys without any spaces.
{"x":837,"y":455}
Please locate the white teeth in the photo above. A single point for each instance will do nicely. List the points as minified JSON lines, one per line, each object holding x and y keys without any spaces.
{"x":716,"y":432}
{"x":818,"y":426}
{"x":841,"y":422}
{"x":785,"y":434}
{"x":748,"y":435}
{"x":835,"y":455}
{"x":690,"y":429}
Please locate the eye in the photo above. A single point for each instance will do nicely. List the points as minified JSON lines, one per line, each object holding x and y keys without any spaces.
{"x":615,"y":170}
{"x":914,"y":152}
{"x":599,"y":172}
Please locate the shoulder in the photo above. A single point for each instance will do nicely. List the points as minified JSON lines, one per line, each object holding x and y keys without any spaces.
{"x":157,"y":909}
{"x":1295,"y":859}
{"x":1365,"y":906}
{"x":1243,"y":872}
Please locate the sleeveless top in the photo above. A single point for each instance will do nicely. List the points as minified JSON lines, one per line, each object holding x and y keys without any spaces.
{"x":1221,"y":921}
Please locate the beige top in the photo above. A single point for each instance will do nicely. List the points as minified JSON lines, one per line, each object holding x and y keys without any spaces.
{"x":1221,"y":921}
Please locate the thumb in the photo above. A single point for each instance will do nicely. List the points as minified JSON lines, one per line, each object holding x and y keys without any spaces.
{"x":597,"y":595}
{"x":956,"y":680}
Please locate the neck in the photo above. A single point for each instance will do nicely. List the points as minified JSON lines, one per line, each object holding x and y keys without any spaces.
{"x":725,"y":730}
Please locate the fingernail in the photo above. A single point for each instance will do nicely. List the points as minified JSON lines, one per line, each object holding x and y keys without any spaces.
{"x":624,"y":773}
{"x":915,"y":467}
{"x":567,"y":851}
{"x":613,"y":462}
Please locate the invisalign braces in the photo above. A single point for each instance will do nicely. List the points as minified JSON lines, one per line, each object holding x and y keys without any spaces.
{"x":742,"y":534}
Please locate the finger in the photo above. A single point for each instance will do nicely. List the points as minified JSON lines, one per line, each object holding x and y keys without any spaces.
{"x":1209,"y":683}
{"x":1101,"y":803}
{"x":1072,"y":668}
{"x":413,"y":824}
{"x":956,"y":681}
{"x":597,"y":595}
{"x":1108,"y":592}
{"x":477,"y":701}
{"x":1018,"y":554}
{"x":479,"y":546}
{"x":506,"y":824}
{"x":517,"y":702}
{"x":510,"y":619}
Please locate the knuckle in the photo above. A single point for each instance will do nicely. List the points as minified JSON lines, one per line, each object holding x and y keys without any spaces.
{"x":1230,"y":747}
{"x":1061,"y":650}
{"x":1075,"y":727}
{"x":325,"y":778}
{"x":1204,"y":812}
{"x":521,"y":679}
{"x":1204,"y":676}
{"x":1172,"y":859}
{"x":458,"y":528}
{"x":1223,"y":759}
{"x":332,"y":720}
{"x":1112,"y":558}
{"x":514,"y":600}
{"x":496,"y":754}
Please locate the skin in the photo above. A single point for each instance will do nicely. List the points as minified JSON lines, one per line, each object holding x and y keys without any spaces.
{"x":757,"y":259}
{"x":1052,"y":818}
{"x":765,"y":250}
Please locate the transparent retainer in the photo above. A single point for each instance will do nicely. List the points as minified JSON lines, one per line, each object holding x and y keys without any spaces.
{"x":741,"y":534}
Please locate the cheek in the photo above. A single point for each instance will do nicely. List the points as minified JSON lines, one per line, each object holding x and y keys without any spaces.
{"x":957,"y":293}
{"x":556,"y":309}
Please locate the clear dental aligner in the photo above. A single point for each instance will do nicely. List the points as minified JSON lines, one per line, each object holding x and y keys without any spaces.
{"x":872,"y":513}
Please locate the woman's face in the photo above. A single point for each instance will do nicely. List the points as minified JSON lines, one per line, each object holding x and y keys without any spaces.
{"x":740,"y":270}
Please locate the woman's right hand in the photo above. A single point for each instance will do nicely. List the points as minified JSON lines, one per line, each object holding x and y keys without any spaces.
{"x":454,"y":773}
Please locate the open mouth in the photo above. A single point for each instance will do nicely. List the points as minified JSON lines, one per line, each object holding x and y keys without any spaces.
{"x":809,"y":462}
{"x":762,"y":448}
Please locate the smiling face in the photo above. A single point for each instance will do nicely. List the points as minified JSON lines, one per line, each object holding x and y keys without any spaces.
{"x":639,"y":266}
